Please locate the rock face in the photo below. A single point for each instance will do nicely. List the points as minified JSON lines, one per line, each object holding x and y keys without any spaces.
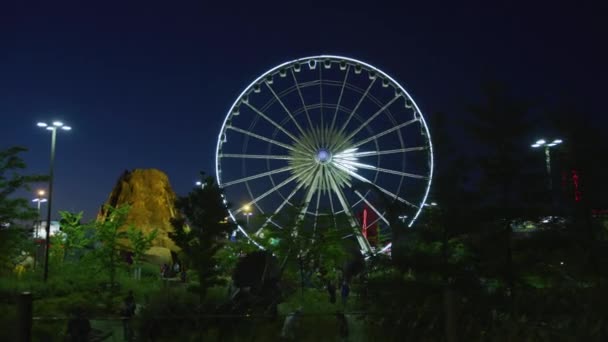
{"x":152,"y":203}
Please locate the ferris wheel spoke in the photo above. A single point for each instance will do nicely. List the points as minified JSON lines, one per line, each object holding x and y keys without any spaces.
{"x":314,"y":228}
{"x":256,"y":156}
{"x":363,"y":125}
{"x":285,"y":108}
{"x":310,"y":193}
{"x":257,"y":136}
{"x":262,"y":196}
{"x":321,"y":95}
{"x":386,"y":248}
{"x":350,"y":116}
{"x":365,"y":180}
{"x":378,"y":153}
{"x":376,"y":136}
{"x":333,"y":121}
{"x":295,"y":80}
{"x":376,"y":220}
{"x":372,"y":207}
{"x":279,"y":127}
{"x":394,"y":172}
{"x":279,"y":208}
{"x":396,"y":197}
{"x":331,"y":206}
{"x":259,"y":175}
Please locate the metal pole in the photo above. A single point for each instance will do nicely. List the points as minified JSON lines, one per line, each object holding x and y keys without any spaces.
{"x":548,"y":161}
{"x":48,"y":207}
{"x":39,"y":221}
{"x":24,"y":317}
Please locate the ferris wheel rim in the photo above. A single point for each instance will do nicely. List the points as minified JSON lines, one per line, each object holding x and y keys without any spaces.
{"x":317,"y":59}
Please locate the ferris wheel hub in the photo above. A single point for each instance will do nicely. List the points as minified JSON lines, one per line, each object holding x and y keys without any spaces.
{"x":323,"y":156}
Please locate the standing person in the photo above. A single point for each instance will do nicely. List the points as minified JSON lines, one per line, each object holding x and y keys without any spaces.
{"x":128,"y":312}
{"x":331,"y":290}
{"x":345,"y":291}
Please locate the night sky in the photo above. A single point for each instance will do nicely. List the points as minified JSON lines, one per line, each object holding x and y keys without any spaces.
{"x":148,"y":85}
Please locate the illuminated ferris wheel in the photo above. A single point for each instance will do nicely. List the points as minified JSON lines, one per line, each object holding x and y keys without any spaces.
{"x":312,"y":136}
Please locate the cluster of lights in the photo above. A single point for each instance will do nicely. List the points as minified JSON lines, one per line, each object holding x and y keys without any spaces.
{"x":543,"y":142}
{"x":54,"y":125}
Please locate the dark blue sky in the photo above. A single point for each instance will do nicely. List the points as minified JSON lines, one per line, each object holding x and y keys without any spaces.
{"x":147,"y":85}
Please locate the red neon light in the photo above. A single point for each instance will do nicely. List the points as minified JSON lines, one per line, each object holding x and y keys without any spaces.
{"x":365,"y":222}
{"x":576,"y":183}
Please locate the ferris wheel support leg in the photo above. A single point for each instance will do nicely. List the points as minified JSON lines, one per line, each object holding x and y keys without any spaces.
{"x":309,"y":194}
{"x":366,"y":248}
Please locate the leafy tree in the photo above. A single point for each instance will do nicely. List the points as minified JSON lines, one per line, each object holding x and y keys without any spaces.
{"x":14,"y":211}
{"x":108,"y":234}
{"x":72,"y":233}
{"x":201,"y":231}
{"x":140,"y":243}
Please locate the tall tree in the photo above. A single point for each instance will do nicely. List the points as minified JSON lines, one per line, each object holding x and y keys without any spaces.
{"x":72,"y":232}
{"x":109,"y":234}
{"x":15,"y":212}
{"x":201,"y":230}
{"x":508,"y":185}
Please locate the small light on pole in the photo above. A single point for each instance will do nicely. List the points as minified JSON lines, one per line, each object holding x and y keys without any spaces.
{"x":38,"y":200}
{"x":247,"y":212}
{"x":53,"y":128}
{"x":547,"y":147}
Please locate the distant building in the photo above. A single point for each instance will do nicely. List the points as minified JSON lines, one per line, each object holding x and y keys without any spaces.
{"x":40,"y":229}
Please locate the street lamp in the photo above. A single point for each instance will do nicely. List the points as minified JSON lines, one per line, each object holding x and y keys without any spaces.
{"x":53,"y":127}
{"x":547,"y":146}
{"x":247,"y":212}
{"x":39,"y":199}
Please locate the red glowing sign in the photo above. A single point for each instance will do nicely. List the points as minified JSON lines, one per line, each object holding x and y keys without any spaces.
{"x":576,"y":183}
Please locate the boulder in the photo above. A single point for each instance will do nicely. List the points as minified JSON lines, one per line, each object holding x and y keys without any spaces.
{"x":152,"y":202}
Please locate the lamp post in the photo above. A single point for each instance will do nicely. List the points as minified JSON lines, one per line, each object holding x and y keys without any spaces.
{"x":39,"y":199}
{"x":547,"y":146}
{"x":247,"y":212}
{"x":53,"y":127}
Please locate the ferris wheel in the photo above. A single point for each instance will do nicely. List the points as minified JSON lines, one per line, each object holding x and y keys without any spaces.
{"x":322,"y":137}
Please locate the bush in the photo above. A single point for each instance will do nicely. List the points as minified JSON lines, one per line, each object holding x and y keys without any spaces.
{"x":168,"y":314}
